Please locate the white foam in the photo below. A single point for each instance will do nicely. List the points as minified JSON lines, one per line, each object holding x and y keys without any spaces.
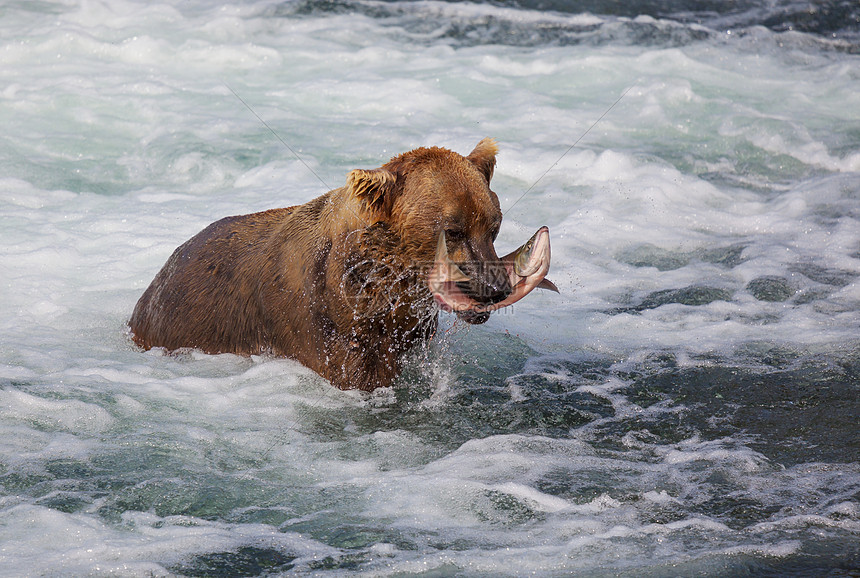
{"x":57,"y":542}
{"x":62,"y":414}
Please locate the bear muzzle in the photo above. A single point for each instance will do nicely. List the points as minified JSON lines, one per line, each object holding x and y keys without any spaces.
{"x":526,"y":269}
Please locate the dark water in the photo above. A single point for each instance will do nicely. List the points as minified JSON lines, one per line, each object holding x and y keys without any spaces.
{"x":671,"y":22}
{"x":829,"y":18}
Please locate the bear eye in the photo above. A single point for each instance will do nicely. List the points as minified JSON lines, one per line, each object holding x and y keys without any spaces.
{"x":453,"y":234}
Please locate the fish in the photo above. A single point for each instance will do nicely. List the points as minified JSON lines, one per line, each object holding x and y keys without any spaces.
{"x":526,"y":266}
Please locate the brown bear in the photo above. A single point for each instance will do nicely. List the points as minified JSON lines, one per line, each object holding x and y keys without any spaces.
{"x":351,"y":280}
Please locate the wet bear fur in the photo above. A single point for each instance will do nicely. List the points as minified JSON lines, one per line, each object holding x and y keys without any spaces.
{"x":339,"y":283}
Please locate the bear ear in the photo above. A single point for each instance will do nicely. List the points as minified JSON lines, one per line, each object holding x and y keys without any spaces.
{"x":373,"y":188}
{"x":484,"y":157}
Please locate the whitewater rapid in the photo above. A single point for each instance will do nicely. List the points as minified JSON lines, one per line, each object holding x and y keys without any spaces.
{"x":686,"y":405}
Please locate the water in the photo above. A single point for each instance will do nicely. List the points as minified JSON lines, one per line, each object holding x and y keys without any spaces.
{"x":686,"y":406}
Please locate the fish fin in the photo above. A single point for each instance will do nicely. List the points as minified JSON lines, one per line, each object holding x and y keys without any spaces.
{"x":547,"y":284}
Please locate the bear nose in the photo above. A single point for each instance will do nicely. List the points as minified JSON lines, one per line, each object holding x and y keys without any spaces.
{"x":496,"y":293}
{"x":498,"y":283}
{"x":487,"y":284}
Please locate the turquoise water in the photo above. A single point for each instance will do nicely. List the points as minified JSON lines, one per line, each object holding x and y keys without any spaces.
{"x":686,"y":406}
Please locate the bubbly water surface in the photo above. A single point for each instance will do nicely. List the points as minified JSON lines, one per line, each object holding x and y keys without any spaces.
{"x":687,"y":406}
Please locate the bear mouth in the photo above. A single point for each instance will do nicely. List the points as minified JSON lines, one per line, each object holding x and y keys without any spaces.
{"x":526,"y":268}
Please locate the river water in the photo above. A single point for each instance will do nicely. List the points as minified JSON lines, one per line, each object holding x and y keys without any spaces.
{"x":686,"y":406}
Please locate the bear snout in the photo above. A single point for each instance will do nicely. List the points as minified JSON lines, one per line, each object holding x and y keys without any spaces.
{"x":488,"y":282}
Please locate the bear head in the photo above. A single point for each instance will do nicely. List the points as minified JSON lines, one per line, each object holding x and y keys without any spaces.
{"x":431,"y":193}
